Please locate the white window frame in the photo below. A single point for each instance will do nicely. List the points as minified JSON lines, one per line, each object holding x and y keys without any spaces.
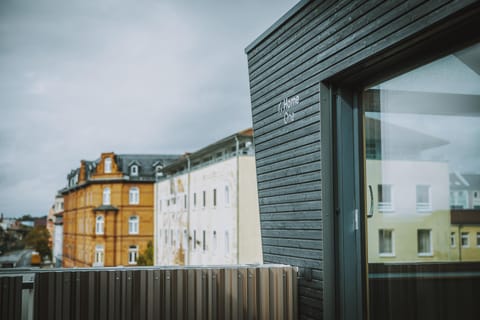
{"x":133,"y":225}
{"x":99,"y":256}
{"x":107,"y":165}
{"x":392,"y":240}
{"x":134,"y":170}
{"x":424,"y":207}
{"x":100,"y":224}
{"x":465,"y":236}
{"x":106,"y":196}
{"x":134,"y":195}
{"x":383,"y":206}
{"x":453,"y":239}
{"x":425,"y":253}
{"x":132,"y":254}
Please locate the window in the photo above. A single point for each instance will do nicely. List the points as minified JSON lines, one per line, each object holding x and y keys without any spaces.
{"x":478,"y":239}
{"x":385,"y":243}
{"x":133,"y":225}
{"x":452,"y":240}
{"x":465,"y":240}
{"x":204,"y":201}
{"x":99,"y":256}
{"x":132,"y":254}
{"x":194,"y":239}
{"x":185,"y":199}
{"x":385,"y":198}
{"x":214,"y":242}
{"x":134,"y":196}
{"x":172,"y":242}
{"x":423,"y":198}
{"x":476,"y":195}
{"x":227,"y":196}
{"x":99,"y":224}
{"x":204,"y":241}
{"x":134,"y":170}
{"x":185,"y":239}
{"x":227,"y":243}
{"x":214,"y":198}
{"x":107,"y":165}
{"x":424,"y":242}
{"x":194,"y":199}
{"x":166,"y":235}
{"x":106,"y":196}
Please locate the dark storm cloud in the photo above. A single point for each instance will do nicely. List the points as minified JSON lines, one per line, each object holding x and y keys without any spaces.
{"x":84,"y":77}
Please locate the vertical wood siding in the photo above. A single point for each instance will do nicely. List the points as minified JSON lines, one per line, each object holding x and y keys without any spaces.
{"x":239,"y":292}
{"x":11,"y":298}
{"x":318,"y":41}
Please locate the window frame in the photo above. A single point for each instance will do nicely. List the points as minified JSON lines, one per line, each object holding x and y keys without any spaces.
{"x":107,"y":196}
{"x":392,"y":242}
{"x":132,"y":252}
{"x":107,"y":165}
{"x":100,"y":225}
{"x":430,"y":243}
{"x":134,"y":195}
{"x":384,"y":206}
{"x":134,"y":224}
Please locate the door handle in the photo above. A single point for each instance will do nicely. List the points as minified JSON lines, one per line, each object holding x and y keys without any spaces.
{"x":370,"y":210}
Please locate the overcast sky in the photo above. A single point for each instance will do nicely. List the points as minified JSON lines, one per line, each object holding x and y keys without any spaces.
{"x":82,"y":77}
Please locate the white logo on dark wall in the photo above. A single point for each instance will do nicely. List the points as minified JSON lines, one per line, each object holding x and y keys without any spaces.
{"x":285,"y":108}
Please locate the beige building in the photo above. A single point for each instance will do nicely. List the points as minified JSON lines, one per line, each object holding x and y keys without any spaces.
{"x":206,"y":207}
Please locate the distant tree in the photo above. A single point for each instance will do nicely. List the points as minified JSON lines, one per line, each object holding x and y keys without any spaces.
{"x":146,"y":258}
{"x":37,"y":239}
{"x":26,"y":217}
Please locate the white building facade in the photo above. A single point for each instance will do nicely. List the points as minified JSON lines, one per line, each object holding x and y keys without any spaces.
{"x":206,"y":207}
{"x":58,"y":232}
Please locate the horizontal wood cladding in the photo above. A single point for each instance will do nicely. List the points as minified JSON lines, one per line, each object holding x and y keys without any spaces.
{"x":319,"y":41}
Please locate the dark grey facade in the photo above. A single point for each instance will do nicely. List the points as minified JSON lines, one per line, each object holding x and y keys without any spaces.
{"x":302,"y":71}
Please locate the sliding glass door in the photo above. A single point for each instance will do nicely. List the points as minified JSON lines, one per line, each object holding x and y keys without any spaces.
{"x":422,"y":191}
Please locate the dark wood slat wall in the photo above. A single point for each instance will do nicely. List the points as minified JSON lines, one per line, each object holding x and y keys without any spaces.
{"x":318,"y":41}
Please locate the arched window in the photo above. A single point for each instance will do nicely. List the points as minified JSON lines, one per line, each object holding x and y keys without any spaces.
{"x":99,"y":255}
{"x":107,"y":165}
{"x":134,"y":170}
{"x":99,"y":225}
{"x":133,"y":225}
{"x":134,"y":195}
{"x":132,"y":254}
{"x":106,"y":196}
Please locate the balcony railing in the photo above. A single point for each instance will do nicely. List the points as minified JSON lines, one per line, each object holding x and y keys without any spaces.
{"x":216,"y":292}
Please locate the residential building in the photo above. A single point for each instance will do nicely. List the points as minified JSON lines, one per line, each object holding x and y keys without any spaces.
{"x":108,"y":209}
{"x":206,"y":207}
{"x":58,"y":231}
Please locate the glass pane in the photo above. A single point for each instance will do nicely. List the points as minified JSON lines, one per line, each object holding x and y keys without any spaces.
{"x":422,"y":149}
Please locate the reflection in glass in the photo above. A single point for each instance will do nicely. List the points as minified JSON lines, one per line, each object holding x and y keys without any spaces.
{"x":422,"y":150}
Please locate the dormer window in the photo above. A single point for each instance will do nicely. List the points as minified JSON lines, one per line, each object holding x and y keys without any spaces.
{"x":134,"y":170}
{"x":159,"y":171}
{"x":108,"y":165}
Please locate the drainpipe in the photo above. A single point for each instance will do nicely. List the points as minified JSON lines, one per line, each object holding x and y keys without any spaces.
{"x":237,"y":152}
{"x":187,"y":246}
{"x":459,"y":243}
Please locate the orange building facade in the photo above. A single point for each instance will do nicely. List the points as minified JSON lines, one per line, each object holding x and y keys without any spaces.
{"x":108,"y":209}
